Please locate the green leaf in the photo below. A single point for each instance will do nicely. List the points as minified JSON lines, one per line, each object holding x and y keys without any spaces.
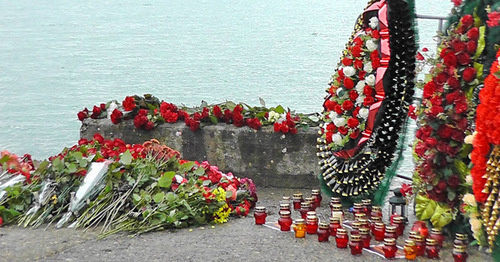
{"x":57,"y":164}
{"x":279,"y":109}
{"x":171,"y":197}
{"x":229,"y":194}
{"x":262,"y":102}
{"x":84,"y":162}
{"x":461,"y":168}
{"x":480,"y":43}
{"x":314,"y":118}
{"x":136,"y":197}
{"x":230,"y":105}
{"x":162,"y":217}
{"x":186,"y":167}
{"x":214,"y":120}
{"x":424,"y":207}
{"x":126,"y":158}
{"x":72,"y":168}
{"x":442,"y":216}
{"x":158,"y":197}
{"x":451,"y":195}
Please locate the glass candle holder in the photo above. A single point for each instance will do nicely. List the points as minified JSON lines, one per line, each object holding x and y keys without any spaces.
{"x":437,"y":234}
{"x":356,"y":245}
{"x":357,"y":208}
{"x":260,"y":215}
{"x":311,"y":225}
{"x":365,"y":237}
{"x":312,"y":213}
{"x":312,"y":202}
{"x":300,"y":228}
{"x":421,"y":228}
{"x":461,"y":239}
{"x":285,"y":221}
{"x":316,"y":195}
{"x":341,"y":239}
{"x":373,"y":221}
{"x":413,"y":235}
{"x":363,"y":223}
{"x":334,"y":225}
{"x":355,"y":227}
{"x":335,"y":200}
{"x":432,"y":248}
{"x":284,"y":207}
{"x":286,"y":200}
{"x":390,"y":248}
{"x":304,"y":208}
{"x":410,"y":250}
{"x":379,"y":231}
{"x":323,"y":232}
{"x":459,"y":253}
{"x":337,"y":212}
{"x":420,"y":243}
{"x":297,"y":200}
{"x":399,"y":222}
{"x":367,"y":206}
{"x":376,"y":212}
{"x":390,"y":232}
{"x":359,"y":216}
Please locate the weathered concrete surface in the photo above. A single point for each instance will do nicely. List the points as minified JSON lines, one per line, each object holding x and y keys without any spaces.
{"x":271,"y":159}
{"x":238,"y":240}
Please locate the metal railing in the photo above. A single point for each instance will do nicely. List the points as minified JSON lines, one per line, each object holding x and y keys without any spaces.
{"x":433,"y":17}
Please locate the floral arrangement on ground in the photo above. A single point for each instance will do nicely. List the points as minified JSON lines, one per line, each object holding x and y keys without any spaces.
{"x":148,"y":111}
{"x":120,"y":187}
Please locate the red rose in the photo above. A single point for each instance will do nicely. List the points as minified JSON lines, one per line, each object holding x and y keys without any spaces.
{"x":254,"y":123}
{"x":462,"y":124}
{"x":460,"y":107}
{"x":95,"y":112}
{"x":128,"y":103}
{"x":228,"y":116}
{"x":453,"y":181}
{"x":102,"y":106}
{"x":454,"y":83}
{"x":358,"y":64}
{"x":284,"y":129}
{"x":341,"y":73}
{"x":429,"y":89}
{"x":445,"y":51}
{"x":149,"y":125}
{"x":469,"y":74}
{"x":328,"y":137}
{"x":238,"y":109}
{"x":458,"y":46}
{"x":348,"y":83}
{"x":457,"y":135}
{"x":139,"y":121}
{"x":420,"y":149}
{"x":450,"y":60}
{"x":362,"y":75}
{"x":169,"y":116}
{"x":330,"y":105}
{"x":375,"y":63}
{"x":368,"y":101}
{"x":435,"y":111}
{"x":467,"y":21}
{"x":331,"y":127}
{"x":376,"y":34}
{"x":352,"y":122}
{"x":238,"y":119}
{"x":347,"y":105}
{"x":451,"y":97}
{"x":116,"y":116}
{"x":463,"y":58}
{"x":442,"y":147}
{"x":346,"y":61}
{"x":374,"y":55}
{"x":445,"y":131}
{"x":436,"y":100}
{"x":205,"y":113}
{"x":343,"y":130}
{"x":431,"y":142}
{"x":441,"y":78}
{"x":143,"y":112}
{"x":218,"y":112}
{"x":358,"y":41}
{"x":97,"y":137}
{"x":355,"y":112}
{"x":197,"y":116}
{"x":353,"y":95}
{"x":368,"y":90}
{"x":471,"y":47}
{"x":473,"y":34}
{"x":338,"y":109}
{"x":356,"y":51}
{"x":277,"y":128}
{"x":82,"y":115}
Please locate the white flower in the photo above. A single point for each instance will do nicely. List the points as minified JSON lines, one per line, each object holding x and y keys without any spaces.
{"x":468,"y":139}
{"x":349,"y":71}
{"x":370,"y":80}
{"x":178,"y":178}
{"x":368,"y":67}
{"x":468,"y":179}
{"x":475,"y":224}
{"x":469,"y":200}
{"x":373,"y":22}
{"x":371,"y":45}
{"x":178,"y":133}
{"x":363,"y":113}
{"x":337,"y":138}
{"x":111,"y":108}
{"x":333,"y":114}
{"x":360,"y":86}
{"x":273,"y":116}
{"x":339,"y":121}
{"x":360,"y":100}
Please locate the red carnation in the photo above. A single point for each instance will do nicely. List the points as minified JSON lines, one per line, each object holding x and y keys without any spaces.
{"x":277,"y":127}
{"x":473,"y":34}
{"x":128,"y":103}
{"x":348,"y":83}
{"x":358,"y":64}
{"x":347,"y":105}
{"x":169,"y":116}
{"x":140,"y":120}
{"x":436,"y":100}
{"x":460,"y":107}
{"x":469,"y":74}
{"x":149,"y":125}
{"x":116,"y":116}
{"x":454,"y":83}
{"x":441,"y":78}
{"x":445,"y":131}
{"x":429,"y":89}
{"x":352,"y":122}
{"x":435,"y":111}
{"x":420,"y":149}
{"x":254,"y":123}
{"x":374,"y":55}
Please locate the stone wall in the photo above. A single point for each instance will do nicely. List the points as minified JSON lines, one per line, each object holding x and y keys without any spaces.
{"x":271,"y":159}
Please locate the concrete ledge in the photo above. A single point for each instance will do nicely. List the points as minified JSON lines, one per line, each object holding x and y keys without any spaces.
{"x":271,"y":159}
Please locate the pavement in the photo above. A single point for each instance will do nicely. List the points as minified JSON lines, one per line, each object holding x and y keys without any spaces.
{"x":239,"y":239}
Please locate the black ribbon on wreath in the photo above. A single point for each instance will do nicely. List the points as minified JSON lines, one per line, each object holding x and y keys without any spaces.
{"x":359,"y":165}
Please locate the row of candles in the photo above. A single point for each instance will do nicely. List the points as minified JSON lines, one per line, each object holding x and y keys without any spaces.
{"x":420,"y":242}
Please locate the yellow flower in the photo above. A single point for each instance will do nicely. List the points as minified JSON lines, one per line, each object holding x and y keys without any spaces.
{"x":222,"y":214}
{"x":220,"y":194}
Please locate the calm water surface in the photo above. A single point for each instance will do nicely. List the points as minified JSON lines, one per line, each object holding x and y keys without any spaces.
{"x":58,"y":57}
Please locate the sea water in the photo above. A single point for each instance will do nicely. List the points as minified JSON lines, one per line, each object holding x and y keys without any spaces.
{"x":57,"y":57}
